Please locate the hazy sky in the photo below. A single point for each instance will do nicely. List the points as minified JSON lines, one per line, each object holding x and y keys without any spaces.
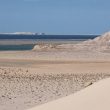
{"x":55,"y":16}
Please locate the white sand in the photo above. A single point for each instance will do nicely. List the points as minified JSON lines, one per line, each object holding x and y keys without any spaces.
{"x":95,"y":97}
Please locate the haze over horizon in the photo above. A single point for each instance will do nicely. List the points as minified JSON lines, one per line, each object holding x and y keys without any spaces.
{"x":55,"y":16}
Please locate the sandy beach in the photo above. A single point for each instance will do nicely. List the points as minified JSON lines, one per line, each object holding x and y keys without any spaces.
{"x":31,"y":78}
{"x":23,"y":88}
{"x":29,"y":81}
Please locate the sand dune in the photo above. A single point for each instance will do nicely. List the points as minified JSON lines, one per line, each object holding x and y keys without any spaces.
{"x":95,"y":97}
{"x":100,"y":43}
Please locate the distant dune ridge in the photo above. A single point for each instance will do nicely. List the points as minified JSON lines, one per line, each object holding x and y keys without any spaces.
{"x":95,"y":97}
{"x":100,"y":43}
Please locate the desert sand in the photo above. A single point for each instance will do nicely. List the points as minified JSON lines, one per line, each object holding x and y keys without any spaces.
{"x":94,"y":97}
{"x":49,"y":72}
{"x":24,"y":88}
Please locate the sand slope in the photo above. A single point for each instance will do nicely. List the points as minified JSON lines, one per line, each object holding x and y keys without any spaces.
{"x":95,"y":97}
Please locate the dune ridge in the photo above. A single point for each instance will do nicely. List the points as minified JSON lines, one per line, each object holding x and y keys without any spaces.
{"x":95,"y":97}
{"x":100,"y":43}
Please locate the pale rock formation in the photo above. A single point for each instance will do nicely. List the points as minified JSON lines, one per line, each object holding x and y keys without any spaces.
{"x":99,"y":44}
{"x":43,"y":46}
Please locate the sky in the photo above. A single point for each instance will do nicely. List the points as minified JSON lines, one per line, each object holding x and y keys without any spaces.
{"x":55,"y":16}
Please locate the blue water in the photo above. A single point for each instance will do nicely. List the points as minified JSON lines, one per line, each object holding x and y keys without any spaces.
{"x":47,"y":36}
{"x":16,"y":47}
{"x":29,"y":41}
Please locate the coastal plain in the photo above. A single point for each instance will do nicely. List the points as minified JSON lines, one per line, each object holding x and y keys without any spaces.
{"x":29,"y":79}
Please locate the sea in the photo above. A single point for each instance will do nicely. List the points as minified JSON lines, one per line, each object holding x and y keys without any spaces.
{"x":27,"y":42}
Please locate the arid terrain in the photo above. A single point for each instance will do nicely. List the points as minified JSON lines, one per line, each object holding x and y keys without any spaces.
{"x":46,"y":73}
